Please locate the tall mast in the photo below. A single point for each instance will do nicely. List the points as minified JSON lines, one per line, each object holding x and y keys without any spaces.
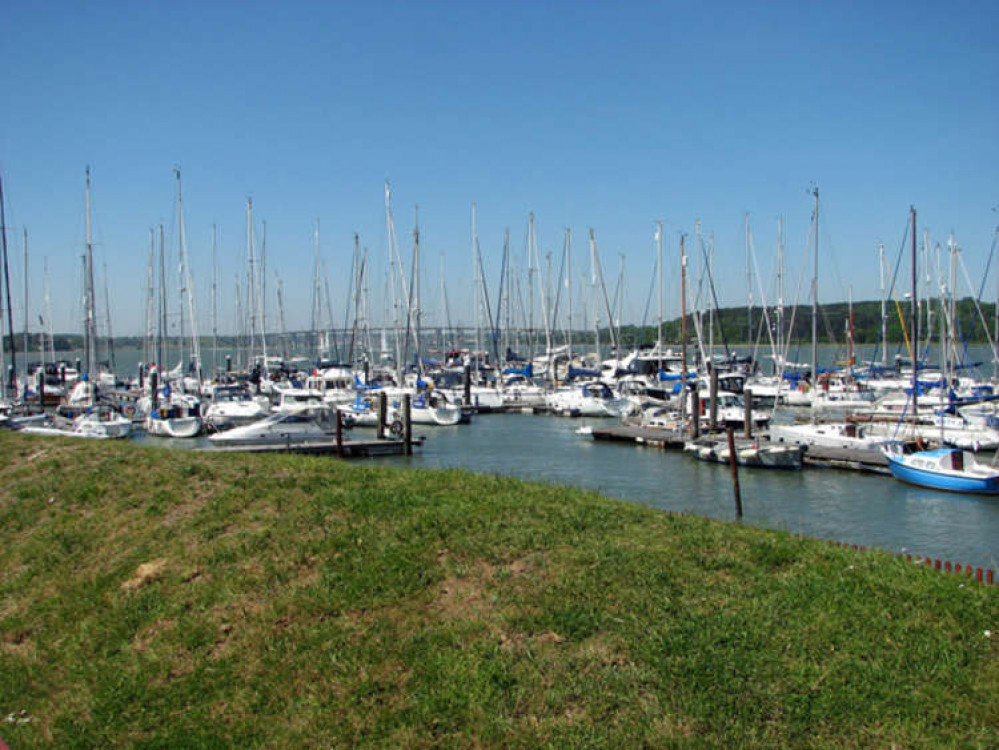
{"x":815,"y":307}
{"x":215,"y":298}
{"x":914,"y":319}
{"x":317,"y":305}
{"x":148,"y":342}
{"x":6,"y":282}
{"x":532,"y":270}
{"x":749,"y":286}
{"x":162,"y":332}
{"x":884,"y":311}
{"x":26,"y":301}
{"x":683,"y":329}
{"x":780,"y":289}
{"x":90,"y":304}
{"x":568,"y":277}
{"x":659,"y":281}
{"x":107,"y":318}
{"x":49,"y":325}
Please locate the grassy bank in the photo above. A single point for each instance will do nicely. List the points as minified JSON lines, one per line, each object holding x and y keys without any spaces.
{"x":152,"y":597}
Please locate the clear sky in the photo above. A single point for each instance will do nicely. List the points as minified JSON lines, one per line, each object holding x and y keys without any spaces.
{"x":603,"y":115}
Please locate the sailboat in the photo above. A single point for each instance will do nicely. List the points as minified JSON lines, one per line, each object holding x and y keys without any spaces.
{"x":947,"y":469}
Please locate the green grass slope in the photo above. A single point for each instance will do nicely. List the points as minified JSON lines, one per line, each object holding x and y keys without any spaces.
{"x":171,"y":598}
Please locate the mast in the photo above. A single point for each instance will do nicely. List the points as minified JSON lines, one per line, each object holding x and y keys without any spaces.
{"x":6,"y":282}
{"x":914,"y":319}
{"x":780,"y":291}
{"x":317,"y":307}
{"x":48,"y":311}
{"x":107,"y":318}
{"x":162,"y":332}
{"x":683,"y":329}
{"x":659,"y":281}
{"x":884,"y":311}
{"x":815,"y":307}
{"x":90,"y":304}
{"x":215,"y":298}
{"x":26,"y":303}
{"x":749,"y":286}
{"x":568,"y":277}
{"x":148,"y":341}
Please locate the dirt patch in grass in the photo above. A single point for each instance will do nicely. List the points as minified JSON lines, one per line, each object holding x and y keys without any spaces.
{"x":145,"y":573}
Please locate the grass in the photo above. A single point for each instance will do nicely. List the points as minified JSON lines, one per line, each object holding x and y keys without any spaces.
{"x":171,"y":598}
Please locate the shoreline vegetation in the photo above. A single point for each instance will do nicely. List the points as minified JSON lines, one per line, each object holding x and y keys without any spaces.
{"x":731,"y":328}
{"x":179,"y":598}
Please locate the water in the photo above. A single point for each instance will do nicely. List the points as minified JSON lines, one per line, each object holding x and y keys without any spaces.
{"x":875,"y":511}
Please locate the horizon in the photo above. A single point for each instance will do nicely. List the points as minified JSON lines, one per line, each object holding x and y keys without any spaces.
{"x":587,"y":116}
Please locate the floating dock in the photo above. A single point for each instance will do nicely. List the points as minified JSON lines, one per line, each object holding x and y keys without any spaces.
{"x":815,"y":455}
{"x":345,"y":449}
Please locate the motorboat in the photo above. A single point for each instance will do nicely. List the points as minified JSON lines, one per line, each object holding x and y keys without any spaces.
{"x":947,"y":469}
{"x":590,"y":399}
{"x":100,"y":421}
{"x":233,"y":406}
{"x":828,"y":435}
{"x":309,"y":424}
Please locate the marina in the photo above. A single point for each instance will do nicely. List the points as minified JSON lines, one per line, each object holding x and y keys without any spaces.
{"x":841,"y":494}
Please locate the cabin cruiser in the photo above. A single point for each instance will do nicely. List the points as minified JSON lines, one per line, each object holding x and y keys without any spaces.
{"x":100,"y":421}
{"x":309,"y":424}
{"x":426,"y":408}
{"x":290,"y":399}
{"x":232,"y":406}
{"x":589,"y":399}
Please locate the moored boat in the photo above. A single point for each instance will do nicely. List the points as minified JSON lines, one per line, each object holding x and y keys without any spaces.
{"x":947,"y":469}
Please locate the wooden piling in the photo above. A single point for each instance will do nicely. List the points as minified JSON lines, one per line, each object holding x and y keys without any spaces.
{"x":747,"y":397}
{"x":382,"y":409}
{"x":407,"y":423}
{"x":339,"y":433}
{"x":695,"y":414}
{"x":468,"y":386}
{"x":154,"y":377}
{"x":734,"y":464}
{"x":713,"y":410}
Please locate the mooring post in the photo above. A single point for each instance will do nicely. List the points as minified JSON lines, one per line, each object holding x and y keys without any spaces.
{"x":382,"y":406}
{"x":153,"y":392}
{"x":713,"y":418}
{"x":41,"y":386}
{"x":407,"y":423}
{"x":468,"y":386}
{"x":339,"y":433}
{"x":695,"y":413}
{"x":734,"y":464}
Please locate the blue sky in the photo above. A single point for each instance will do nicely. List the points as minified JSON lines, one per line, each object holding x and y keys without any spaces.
{"x":590,"y":114}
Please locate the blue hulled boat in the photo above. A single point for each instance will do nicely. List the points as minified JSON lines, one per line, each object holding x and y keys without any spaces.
{"x":947,"y":469}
